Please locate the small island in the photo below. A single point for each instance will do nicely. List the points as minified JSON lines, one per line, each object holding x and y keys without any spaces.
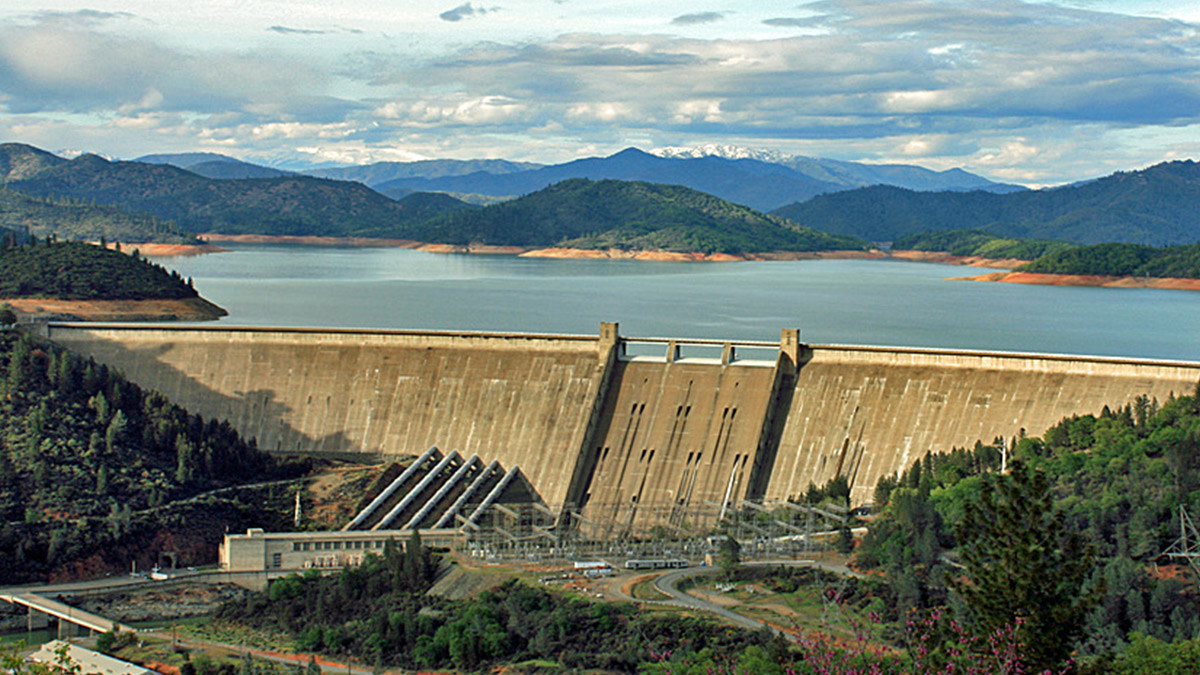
{"x":48,"y":279}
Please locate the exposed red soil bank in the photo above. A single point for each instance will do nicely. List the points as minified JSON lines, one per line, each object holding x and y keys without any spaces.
{"x":675,"y":256}
{"x":550,"y":252}
{"x":1086,"y":280}
{"x":189,"y":309}
{"x":167,"y":250}
{"x":948,"y":259}
{"x":311,"y":241}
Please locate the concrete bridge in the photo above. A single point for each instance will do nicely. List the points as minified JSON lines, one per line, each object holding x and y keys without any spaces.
{"x":617,"y":428}
{"x":39,"y":605}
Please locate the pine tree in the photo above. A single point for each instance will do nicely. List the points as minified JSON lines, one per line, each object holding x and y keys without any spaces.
{"x":1023,"y":568}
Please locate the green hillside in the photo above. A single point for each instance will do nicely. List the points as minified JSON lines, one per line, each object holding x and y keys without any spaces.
{"x":1083,"y":513}
{"x":90,"y":465}
{"x":289,"y":205}
{"x":78,"y":271}
{"x":1058,"y":257}
{"x":72,"y":219}
{"x":1155,"y":206}
{"x":18,"y":161}
{"x":581,"y":213}
{"x":979,"y":243}
{"x":1122,"y":260}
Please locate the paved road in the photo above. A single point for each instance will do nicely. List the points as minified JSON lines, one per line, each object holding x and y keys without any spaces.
{"x":116,"y":582}
{"x":669,"y":582}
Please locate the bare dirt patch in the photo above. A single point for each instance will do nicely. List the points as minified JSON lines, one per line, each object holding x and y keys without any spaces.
{"x":678,"y":256}
{"x":332,"y":495}
{"x":157,"y":604}
{"x":948,"y":259}
{"x":1095,"y":280}
{"x":167,"y":250}
{"x":366,"y":242}
{"x":45,"y":309}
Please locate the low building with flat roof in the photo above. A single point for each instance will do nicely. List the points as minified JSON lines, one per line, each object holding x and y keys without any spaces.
{"x":259,"y":551}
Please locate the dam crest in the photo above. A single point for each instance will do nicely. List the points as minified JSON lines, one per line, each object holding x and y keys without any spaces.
{"x":614,"y":428}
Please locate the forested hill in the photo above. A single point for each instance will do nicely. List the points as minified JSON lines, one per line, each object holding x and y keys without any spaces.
{"x":72,"y":219}
{"x":979,"y":243}
{"x":289,"y":205}
{"x":581,"y":213}
{"x":18,"y":161}
{"x":90,"y":465}
{"x":1122,"y":260}
{"x":1155,"y":206}
{"x":79,"y":271}
{"x":1047,"y":256}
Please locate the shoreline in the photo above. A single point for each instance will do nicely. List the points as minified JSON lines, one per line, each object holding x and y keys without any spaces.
{"x":539,"y":251}
{"x":53,"y":309}
{"x":950,"y":259}
{"x":676,"y":256}
{"x":155,"y":250}
{"x":1092,"y":280}
{"x":299,"y":240}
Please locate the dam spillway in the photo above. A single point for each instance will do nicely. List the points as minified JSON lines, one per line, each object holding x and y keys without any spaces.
{"x":615,"y":427}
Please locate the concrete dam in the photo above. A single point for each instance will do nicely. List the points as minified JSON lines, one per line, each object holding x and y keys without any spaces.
{"x":615,"y":428}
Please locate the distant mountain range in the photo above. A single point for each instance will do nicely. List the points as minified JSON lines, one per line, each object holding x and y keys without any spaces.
{"x":1155,"y":206}
{"x":576,"y":212}
{"x":286,"y":205}
{"x":847,"y":174}
{"x":60,"y":215}
{"x":379,"y":173}
{"x":757,"y":178}
{"x":752,"y":182}
{"x":213,"y":165}
{"x":220,"y":194}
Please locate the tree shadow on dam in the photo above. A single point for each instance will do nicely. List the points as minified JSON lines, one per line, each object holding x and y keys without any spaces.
{"x":257,"y":414}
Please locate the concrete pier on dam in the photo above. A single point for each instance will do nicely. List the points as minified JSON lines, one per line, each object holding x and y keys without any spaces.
{"x":613,"y":428}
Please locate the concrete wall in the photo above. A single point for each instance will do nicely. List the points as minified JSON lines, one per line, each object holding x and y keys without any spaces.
{"x":868,"y":412}
{"x":682,"y":432}
{"x":524,"y":400}
{"x":611,"y":434}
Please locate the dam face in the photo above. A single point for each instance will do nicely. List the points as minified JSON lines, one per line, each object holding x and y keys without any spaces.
{"x":615,"y":437}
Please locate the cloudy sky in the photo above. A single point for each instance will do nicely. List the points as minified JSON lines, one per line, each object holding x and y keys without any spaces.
{"x":1037,"y":93}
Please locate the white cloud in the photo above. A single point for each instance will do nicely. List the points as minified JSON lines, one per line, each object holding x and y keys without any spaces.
{"x":1001,"y":85}
{"x":606,"y":112}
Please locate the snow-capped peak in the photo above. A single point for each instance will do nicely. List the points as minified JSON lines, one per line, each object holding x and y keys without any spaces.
{"x":723,"y":151}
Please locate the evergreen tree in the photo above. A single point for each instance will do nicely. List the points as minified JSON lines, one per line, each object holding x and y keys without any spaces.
{"x":1024,"y":567}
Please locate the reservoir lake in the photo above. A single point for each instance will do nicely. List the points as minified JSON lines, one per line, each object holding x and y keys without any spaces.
{"x":866,"y":302}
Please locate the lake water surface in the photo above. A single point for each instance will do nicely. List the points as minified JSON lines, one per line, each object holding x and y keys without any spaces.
{"x":871,"y":302}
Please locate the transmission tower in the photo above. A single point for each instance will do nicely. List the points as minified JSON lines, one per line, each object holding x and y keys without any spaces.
{"x":1187,"y":546}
